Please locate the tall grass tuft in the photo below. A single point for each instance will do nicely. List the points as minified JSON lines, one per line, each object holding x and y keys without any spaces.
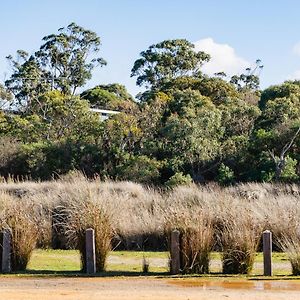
{"x":239,"y":229}
{"x":196,"y":238}
{"x":196,"y":244}
{"x":239,"y":240}
{"x":284,"y":216}
{"x":291,"y":245}
{"x":85,"y":209}
{"x":20,"y":218}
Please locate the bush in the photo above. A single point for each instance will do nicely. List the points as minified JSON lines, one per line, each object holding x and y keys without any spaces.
{"x":47,"y":160}
{"x":179,"y":179}
{"x":196,"y":238}
{"x":140,"y":169}
{"x":239,"y":239}
{"x":85,"y":209}
{"x":226,"y":175}
{"x":20,"y":218}
{"x":289,"y":172}
{"x":9,"y":148}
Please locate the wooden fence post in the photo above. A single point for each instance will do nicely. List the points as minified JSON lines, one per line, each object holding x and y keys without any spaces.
{"x":90,"y":251}
{"x":6,"y":251}
{"x":175,"y":252}
{"x":267,"y":250}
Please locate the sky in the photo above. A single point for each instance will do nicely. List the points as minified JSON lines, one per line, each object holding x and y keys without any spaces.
{"x":234,"y":32}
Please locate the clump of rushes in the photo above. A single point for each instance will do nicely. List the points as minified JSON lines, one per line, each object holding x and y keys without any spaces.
{"x":88,"y":209}
{"x":282,"y":214}
{"x":290,"y":243}
{"x":20,"y":219}
{"x":239,"y":237}
{"x":196,"y":239}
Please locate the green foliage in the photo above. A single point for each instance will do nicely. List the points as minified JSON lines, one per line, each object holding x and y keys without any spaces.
{"x":140,"y":169}
{"x":179,"y":179}
{"x":248,"y":81}
{"x":62,"y":63}
{"x":47,"y":160}
{"x":4,"y":94}
{"x":289,"y":172}
{"x":27,"y":81}
{"x":285,"y":90}
{"x":266,"y":176}
{"x":185,"y":122}
{"x":217,"y":89}
{"x":225,"y":175}
{"x":112,"y":96}
{"x":57,"y":117}
{"x":166,"y":61}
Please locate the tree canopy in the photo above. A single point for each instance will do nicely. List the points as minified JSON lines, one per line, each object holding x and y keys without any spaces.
{"x":167,"y":60}
{"x":64,"y":62}
{"x":186,"y":126}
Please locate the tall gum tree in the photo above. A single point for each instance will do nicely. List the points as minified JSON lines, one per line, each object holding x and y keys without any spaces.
{"x":64,"y":62}
{"x":167,"y":60}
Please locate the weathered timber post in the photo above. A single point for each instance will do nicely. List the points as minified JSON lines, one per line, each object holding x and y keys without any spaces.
{"x":90,"y":251}
{"x":175,"y":252}
{"x":267,"y":250}
{"x":6,"y":251}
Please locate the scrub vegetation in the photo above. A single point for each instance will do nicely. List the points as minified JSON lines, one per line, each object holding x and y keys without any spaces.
{"x":129,"y":216}
{"x":185,"y":127}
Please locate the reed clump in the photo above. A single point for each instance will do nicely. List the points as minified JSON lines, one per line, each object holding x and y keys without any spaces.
{"x":290,"y":244}
{"x":192,"y":217}
{"x":239,"y":240}
{"x":84,"y":208}
{"x":196,"y":244}
{"x":284,"y":221}
{"x":20,"y":218}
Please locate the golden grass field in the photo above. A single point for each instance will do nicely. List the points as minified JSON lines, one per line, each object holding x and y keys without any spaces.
{"x":211,"y":218}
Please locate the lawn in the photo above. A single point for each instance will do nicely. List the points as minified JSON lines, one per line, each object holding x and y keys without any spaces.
{"x":67,"y":262}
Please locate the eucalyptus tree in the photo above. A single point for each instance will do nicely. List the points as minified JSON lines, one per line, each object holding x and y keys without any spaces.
{"x":166,"y":61}
{"x":64,"y":62}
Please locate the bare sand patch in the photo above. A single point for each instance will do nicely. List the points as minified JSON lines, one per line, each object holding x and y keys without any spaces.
{"x":145,"y":288}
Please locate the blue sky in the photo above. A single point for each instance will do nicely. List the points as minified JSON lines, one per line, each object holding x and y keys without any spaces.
{"x":237,"y":32}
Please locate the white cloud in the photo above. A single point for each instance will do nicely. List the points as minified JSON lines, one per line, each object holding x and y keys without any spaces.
{"x":294,"y":76}
{"x":296,"y":49}
{"x":223,"y":58}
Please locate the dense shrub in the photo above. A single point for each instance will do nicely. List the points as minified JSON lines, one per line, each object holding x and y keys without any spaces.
{"x":226,"y":175}
{"x":178,"y":179}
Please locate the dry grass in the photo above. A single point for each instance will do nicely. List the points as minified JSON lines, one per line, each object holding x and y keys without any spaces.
{"x":196,"y":242}
{"x":239,"y":240}
{"x":22,"y":222}
{"x":21,"y":219}
{"x":208,"y":217}
{"x":283,"y":215}
{"x":81,"y":208}
{"x":189,"y":212}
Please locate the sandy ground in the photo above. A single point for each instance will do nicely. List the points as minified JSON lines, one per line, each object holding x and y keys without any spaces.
{"x":144,"y":288}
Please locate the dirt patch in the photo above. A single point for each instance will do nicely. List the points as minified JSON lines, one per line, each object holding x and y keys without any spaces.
{"x":144,"y":288}
{"x":280,"y":285}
